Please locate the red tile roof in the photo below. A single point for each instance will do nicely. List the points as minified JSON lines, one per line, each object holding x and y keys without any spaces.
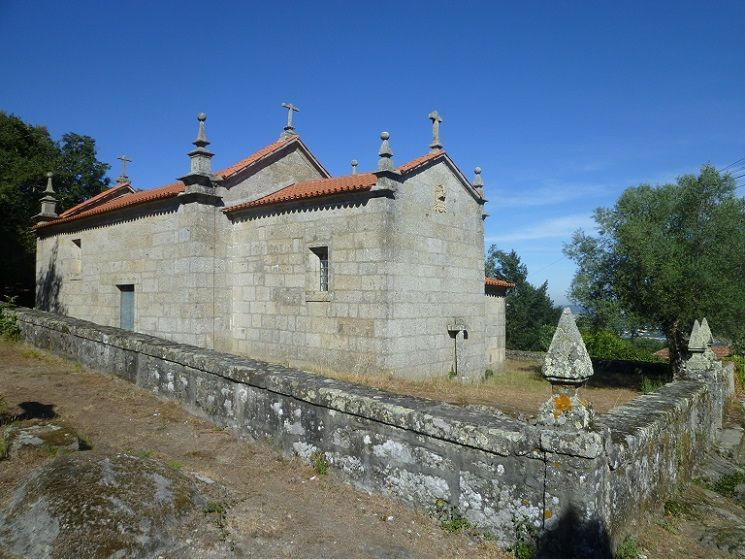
{"x":109,"y":193}
{"x":719,"y":350}
{"x":254,"y":157}
{"x":497,"y":282}
{"x":313,"y":189}
{"x":125,"y":201}
{"x":406,"y":167}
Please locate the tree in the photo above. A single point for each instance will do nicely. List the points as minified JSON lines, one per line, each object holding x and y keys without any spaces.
{"x":531,"y":315}
{"x":27,"y":153}
{"x":667,"y":255}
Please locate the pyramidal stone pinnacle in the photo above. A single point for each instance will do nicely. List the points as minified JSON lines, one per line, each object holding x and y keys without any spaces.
{"x":567,"y":360}
{"x":697,"y":342}
{"x":708,"y":338}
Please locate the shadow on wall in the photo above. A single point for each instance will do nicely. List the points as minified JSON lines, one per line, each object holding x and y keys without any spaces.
{"x":48,"y":287}
{"x":574,"y":538}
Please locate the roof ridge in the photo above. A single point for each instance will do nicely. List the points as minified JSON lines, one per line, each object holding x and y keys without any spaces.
{"x":305,"y":190}
{"x":125,"y":201}
{"x":421,"y":160}
{"x":256,"y":156}
{"x":79,"y":207}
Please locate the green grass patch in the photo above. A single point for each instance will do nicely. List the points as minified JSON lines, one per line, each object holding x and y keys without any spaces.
{"x":648,"y":385}
{"x":320,"y":463}
{"x":627,"y":549}
{"x":726,"y":484}
{"x":677,"y":508}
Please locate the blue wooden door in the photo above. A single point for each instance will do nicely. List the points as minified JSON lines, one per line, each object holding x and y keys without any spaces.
{"x":127,"y":307}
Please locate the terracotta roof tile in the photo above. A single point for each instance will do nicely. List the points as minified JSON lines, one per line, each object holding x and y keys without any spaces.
{"x":109,"y":193}
{"x":126,"y":201}
{"x":719,"y":350}
{"x":420,"y":161}
{"x":254,"y":157}
{"x":313,"y":189}
{"x":497,"y":282}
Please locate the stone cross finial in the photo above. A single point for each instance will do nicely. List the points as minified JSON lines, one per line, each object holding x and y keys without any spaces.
{"x":436,"y":119}
{"x":123,"y":177}
{"x":385,"y":163}
{"x":354,"y":166}
{"x":567,"y":366}
{"x":289,"y":129}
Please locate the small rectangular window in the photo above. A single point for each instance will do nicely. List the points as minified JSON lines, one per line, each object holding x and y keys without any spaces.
{"x":322,"y":253}
{"x":76,"y":256}
{"x":126,"y":307}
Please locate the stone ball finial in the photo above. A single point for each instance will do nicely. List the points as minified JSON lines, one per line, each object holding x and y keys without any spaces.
{"x":384,"y":135}
{"x":354,"y":163}
{"x":201,"y":117}
{"x":477,"y":170}
{"x":50,"y":174}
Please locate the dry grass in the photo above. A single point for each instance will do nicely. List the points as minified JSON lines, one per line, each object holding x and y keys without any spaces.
{"x":519,"y":389}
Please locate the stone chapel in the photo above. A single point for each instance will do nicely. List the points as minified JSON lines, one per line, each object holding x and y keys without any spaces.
{"x":378,"y":272}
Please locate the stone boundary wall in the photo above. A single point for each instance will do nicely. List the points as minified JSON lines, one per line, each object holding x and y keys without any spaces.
{"x":520,"y":355}
{"x":499,"y":473}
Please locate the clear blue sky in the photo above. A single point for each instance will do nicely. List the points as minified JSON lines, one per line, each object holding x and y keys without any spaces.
{"x":563,"y":104}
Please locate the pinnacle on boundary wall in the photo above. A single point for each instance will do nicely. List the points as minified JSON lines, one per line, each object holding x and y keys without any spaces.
{"x":567,"y":366}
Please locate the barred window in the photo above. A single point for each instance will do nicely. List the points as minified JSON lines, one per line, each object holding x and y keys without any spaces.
{"x":322,"y":253}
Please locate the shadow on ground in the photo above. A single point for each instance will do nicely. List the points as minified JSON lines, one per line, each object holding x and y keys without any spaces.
{"x":35,"y":410}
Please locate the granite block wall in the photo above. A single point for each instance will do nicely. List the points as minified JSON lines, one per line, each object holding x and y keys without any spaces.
{"x":497,"y":472}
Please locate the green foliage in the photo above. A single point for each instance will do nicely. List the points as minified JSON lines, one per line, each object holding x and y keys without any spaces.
{"x":320,"y":463}
{"x":9,"y":329}
{"x":604,"y":344}
{"x":452,"y":521}
{"x":143,"y":453}
{"x":648,"y":385}
{"x":220,"y":512}
{"x":726,"y":484}
{"x":677,"y":508}
{"x":627,"y":549}
{"x":666,"y":255}
{"x":526,"y":539}
{"x":531,"y":314}
{"x":27,"y":153}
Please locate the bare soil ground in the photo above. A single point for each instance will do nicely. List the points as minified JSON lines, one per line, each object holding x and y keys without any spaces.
{"x":280,"y":508}
{"x":519,"y":389}
{"x":276,"y":508}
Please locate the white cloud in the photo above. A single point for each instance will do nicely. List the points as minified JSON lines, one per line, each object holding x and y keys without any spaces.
{"x":559,"y":227}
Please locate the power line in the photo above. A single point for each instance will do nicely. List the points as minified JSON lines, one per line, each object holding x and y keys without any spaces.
{"x":742,"y":159}
{"x":549,"y":264}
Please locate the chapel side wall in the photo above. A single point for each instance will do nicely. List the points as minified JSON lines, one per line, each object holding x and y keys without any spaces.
{"x":258,"y":181}
{"x":495,"y":331}
{"x":167,"y":255}
{"x":278,"y":313}
{"x":438,"y":267}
